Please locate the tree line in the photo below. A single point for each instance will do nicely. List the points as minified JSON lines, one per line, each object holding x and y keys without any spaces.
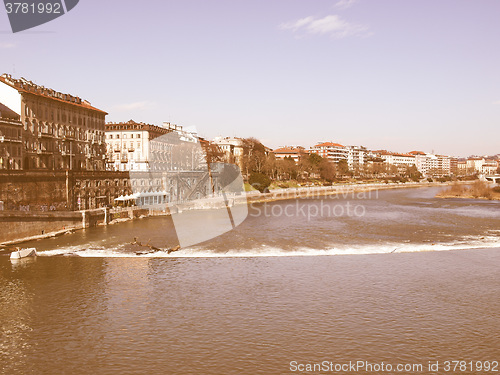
{"x":260,"y":167}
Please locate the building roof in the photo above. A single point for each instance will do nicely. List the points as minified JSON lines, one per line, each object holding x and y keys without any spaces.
{"x":131,"y":125}
{"x":6,"y":112}
{"x":396,"y":154}
{"x":289,"y":150}
{"x":24,"y":86}
{"x":417,"y":153}
{"x":328,"y":144}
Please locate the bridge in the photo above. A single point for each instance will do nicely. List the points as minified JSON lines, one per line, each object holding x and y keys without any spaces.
{"x":493,"y":178}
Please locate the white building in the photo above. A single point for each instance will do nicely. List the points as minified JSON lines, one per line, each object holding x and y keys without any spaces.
{"x":444,"y":164}
{"x":129,"y":145}
{"x":232,"y":148}
{"x":489,"y":168}
{"x":475,"y":163}
{"x":356,"y":156}
{"x":335,"y":152}
{"x":400,"y":160}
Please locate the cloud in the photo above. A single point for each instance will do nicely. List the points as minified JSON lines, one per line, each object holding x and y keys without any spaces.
{"x":331,"y":25}
{"x":344,"y":4}
{"x":7,"y":45}
{"x":497,"y":102}
{"x":136,"y":105}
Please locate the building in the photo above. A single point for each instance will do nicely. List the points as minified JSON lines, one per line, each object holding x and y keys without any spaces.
{"x":334,"y":152}
{"x":59,"y":131}
{"x":421,"y":162}
{"x":435,"y":165}
{"x":489,"y":168}
{"x":356,"y":156}
{"x":129,"y":145}
{"x":453,"y":165}
{"x":444,"y":165}
{"x":11,"y":147}
{"x":432,"y":165}
{"x":397,"y":159}
{"x":293,"y":152}
{"x":462,"y":167}
{"x":475,"y":163}
{"x":232,"y":148}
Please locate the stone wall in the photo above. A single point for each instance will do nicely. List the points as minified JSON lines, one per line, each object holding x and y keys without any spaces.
{"x":17,"y":225}
{"x":48,"y":191}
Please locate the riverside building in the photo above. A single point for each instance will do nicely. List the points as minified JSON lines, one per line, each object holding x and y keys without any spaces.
{"x":11,"y":149}
{"x":129,"y":144}
{"x":334,"y":152}
{"x":59,"y":131}
{"x":292,"y":152}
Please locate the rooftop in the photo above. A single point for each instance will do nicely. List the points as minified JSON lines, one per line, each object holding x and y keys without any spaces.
{"x":328,"y":144}
{"x":23,"y":85}
{"x":289,"y":150}
{"x":6,"y":112}
{"x":134,"y":126}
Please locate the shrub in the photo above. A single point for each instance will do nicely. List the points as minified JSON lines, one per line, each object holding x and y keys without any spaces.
{"x":260,"y":182}
{"x":480,"y":190}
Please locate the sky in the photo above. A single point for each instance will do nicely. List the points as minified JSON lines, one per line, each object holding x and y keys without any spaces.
{"x":399,"y":75}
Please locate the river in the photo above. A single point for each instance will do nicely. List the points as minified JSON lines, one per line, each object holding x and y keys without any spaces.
{"x":396,"y":276}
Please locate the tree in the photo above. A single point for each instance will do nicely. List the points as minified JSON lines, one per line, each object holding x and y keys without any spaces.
{"x":343,"y":167}
{"x":254,"y":156}
{"x":327,"y":170}
{"x":260,"y":182}
{"x":213,"y":153}
{"x":413,"y":173}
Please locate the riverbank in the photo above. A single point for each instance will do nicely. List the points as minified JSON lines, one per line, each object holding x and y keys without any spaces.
{"x":133,"y":213}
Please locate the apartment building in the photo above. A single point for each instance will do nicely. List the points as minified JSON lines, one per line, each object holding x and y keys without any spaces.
{"x":294,"y":152}
{"x":11,"y":147}
{"x":129,"y":145}
{"x":490,"y":167}
{"x":334,"y":152}
{"x":397,"y":159}
{"x":232,"y":148}
{"x":59,"y":131}
{"x":356,"y":156}
{"x":475,"y":163}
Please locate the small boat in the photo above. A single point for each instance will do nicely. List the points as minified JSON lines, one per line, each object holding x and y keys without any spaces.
{"x":23,"y":253}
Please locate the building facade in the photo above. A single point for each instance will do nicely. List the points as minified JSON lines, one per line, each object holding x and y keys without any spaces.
{"x":59,"y":131}
{"x":292,"y":152}
{"x":400,"y":160}
{"x":334,"y":152}
{"x":129,"y":145}
{"x":232,"y":147}
{"x":356,"y":157}
{"x":11,"y":150}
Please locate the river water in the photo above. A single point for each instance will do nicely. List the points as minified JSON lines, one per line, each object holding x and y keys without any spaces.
{"x":397,"y":276}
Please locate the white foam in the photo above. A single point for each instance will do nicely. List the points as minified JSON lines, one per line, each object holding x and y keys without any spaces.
{"x":469,"y":242}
